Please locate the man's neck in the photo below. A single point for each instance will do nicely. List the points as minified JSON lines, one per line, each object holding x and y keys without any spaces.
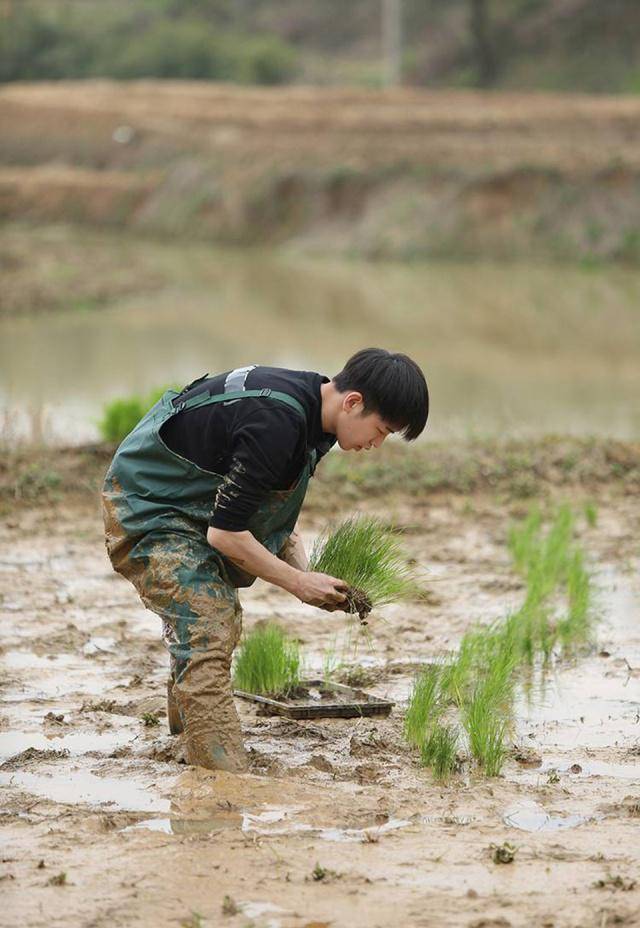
{"x":330,"y":405}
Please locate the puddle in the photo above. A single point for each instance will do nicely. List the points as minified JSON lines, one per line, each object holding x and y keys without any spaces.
{"x":443,"y":819}
{"x":189,"y":826}
{"x":12,"y":743}
{"x":532,"y":817}
{"x":268,"y":823}
{"x":256,"y":825}
{"x":78,"y":787}
{"x":594,"y":702}
{"x":592,"y":768}
{"x":99,"y":645}
{"x":57,"y":675}
{"x":258,"y":910}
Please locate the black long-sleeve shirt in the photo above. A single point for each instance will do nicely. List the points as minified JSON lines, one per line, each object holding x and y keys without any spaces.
{"x":257,"y":444}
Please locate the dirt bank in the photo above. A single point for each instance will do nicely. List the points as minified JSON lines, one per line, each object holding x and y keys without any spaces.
{"x":515,"y":470}
{"x":336,"y":824}
{"x":402,"y":174}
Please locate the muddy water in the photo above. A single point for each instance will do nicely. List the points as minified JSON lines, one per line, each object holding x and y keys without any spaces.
{"x":520,"y":349}
{"x":336,"y":823}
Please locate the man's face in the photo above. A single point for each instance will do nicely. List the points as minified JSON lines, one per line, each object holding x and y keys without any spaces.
{"x":357,"y":430}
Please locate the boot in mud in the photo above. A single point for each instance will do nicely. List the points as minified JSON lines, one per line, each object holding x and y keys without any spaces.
{"x":173,"y":715}
{"x":212,"y":733}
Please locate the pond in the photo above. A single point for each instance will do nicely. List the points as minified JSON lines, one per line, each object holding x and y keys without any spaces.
{"x":508,"y":349}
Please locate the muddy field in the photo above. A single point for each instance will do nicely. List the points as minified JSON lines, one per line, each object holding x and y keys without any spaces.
{"x":337,"y":824}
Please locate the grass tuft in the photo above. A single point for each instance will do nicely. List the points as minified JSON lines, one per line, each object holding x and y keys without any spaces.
{"x":267,"y":662}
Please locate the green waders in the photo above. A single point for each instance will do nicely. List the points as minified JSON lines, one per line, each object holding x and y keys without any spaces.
{"x":156,"y":508}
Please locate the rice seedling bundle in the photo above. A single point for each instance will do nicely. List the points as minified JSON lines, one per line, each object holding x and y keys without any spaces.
{"x":368,"y":556}
{"x":267,"y":663}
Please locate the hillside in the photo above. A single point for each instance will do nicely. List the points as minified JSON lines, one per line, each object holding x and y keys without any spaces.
{"x":401,"y":173}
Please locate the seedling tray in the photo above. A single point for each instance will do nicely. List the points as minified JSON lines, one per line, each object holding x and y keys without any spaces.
{"x":315,"y":699}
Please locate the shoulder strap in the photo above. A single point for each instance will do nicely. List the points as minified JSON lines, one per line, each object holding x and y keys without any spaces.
{"x":205,"y":399}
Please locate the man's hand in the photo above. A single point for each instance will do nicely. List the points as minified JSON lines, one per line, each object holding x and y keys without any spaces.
{"x":321,"y":590}
{"x":244,"y":550}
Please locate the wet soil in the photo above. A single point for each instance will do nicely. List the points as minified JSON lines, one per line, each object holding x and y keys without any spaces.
{"x":336,"y":824}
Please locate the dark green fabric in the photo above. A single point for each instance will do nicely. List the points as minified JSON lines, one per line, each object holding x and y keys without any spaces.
{"x":151,"y":489}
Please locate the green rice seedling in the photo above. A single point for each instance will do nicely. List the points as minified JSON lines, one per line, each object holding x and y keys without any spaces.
{"x":425,"y":705}
{"x":486,"y":731}
{"x":556,"y":549}
{"x":267,"y":662}
{"x":500,"y":662}
{"x":575,"y":628}
{"x":524,"y":539}
{"x":487,"y":713}
{"x":591,"y":514}
{"x":439,"y":750}
{"x":368,"y":556}
{"x":458,"y":674}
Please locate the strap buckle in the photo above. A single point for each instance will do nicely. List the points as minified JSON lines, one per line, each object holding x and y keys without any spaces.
{"x":266,"y":391}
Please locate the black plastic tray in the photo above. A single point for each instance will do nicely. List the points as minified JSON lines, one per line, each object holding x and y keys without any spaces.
{"x":354,"y":703}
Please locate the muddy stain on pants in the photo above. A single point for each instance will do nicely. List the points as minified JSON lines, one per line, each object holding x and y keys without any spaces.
{"x":179,"y":577}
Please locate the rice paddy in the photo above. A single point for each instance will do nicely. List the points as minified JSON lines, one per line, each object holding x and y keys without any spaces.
{"x":368,"y":556}
{"x":478,"y":685}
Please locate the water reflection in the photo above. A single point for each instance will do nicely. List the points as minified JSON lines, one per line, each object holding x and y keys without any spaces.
{"x":519,"y":348}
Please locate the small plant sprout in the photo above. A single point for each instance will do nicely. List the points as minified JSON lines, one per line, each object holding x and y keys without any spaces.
{"x":267,"y":662}
{"x":368,"y":556}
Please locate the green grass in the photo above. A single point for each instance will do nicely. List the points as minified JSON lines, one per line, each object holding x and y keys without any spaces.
{"x":120,"y":416}
{"x":267,"y":662}
{"x":368,"y":556}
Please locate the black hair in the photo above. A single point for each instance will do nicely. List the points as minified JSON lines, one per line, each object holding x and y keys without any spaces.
{"x":392,"y":385}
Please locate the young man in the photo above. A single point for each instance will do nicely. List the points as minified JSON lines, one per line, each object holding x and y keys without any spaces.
{"x":203,"y":496}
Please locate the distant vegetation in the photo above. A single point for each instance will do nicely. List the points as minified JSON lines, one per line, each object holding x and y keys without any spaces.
{"x":583,"y":45}
{"x":37,"y":43}
{"x":121,"y":416}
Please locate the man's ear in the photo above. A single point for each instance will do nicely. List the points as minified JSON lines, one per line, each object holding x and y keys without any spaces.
{"x":352,"y":399}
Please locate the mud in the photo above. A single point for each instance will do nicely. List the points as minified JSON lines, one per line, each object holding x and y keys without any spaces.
{"x":359,"y":603}
{"x":335,"y":823}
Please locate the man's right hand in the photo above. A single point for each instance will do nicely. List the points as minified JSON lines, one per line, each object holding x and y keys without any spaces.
{"x":321,"y":590}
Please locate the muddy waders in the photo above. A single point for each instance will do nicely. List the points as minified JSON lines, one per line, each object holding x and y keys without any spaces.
{"x":156,"y":508}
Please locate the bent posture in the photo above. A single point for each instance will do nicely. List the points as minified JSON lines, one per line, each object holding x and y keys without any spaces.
{"x":203,"y":496}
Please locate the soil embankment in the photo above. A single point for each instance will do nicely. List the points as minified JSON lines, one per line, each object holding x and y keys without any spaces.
{"x":337,"y":824}
{"x":403,"y":174}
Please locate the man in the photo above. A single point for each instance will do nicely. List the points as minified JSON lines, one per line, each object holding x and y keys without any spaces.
{"x":203,"y":496}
